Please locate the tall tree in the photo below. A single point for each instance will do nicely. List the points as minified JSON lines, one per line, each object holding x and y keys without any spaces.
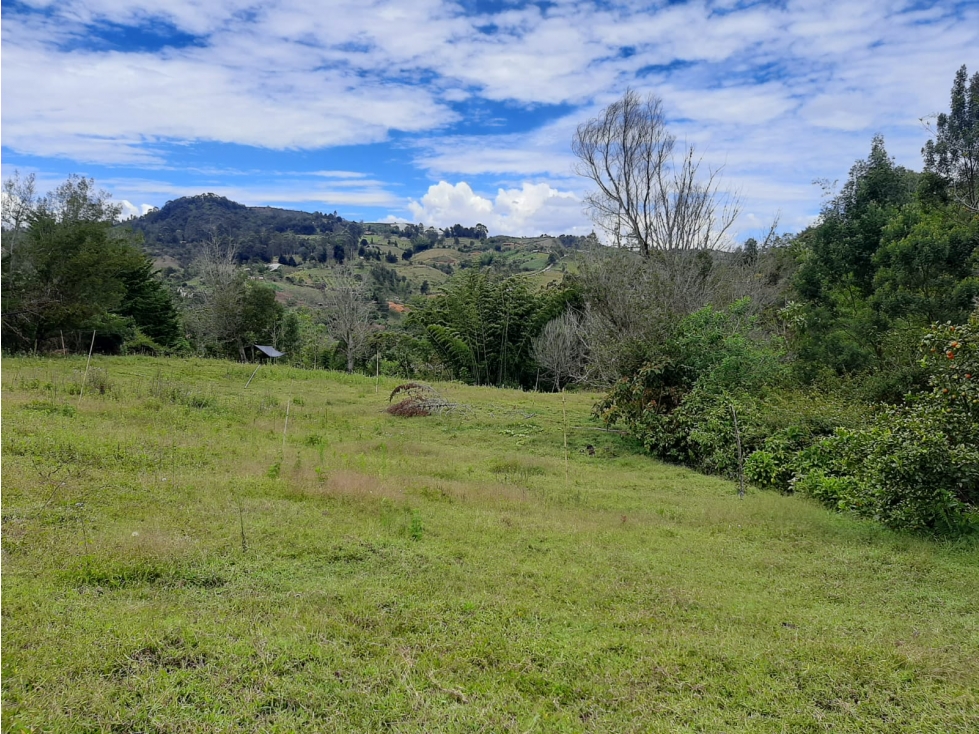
{"x":349,"y":313}
{"x":954,"y":152}
{"x":841,"y":327}
{"x":651,"y":197}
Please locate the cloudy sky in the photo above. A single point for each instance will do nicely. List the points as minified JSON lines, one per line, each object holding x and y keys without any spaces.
{"x":445,"y":112}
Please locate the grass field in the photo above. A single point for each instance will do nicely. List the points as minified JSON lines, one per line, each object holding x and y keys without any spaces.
{"x":182,"y":554}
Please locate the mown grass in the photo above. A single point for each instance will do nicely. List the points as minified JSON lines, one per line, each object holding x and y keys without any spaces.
{"x":442,"y":574}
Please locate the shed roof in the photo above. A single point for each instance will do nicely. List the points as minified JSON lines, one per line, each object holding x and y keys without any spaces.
{"x":269,"y":351}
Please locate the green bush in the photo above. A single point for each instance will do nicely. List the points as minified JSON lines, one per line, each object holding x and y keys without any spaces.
{"x":912,"y":467}
{"x":917,"y":466}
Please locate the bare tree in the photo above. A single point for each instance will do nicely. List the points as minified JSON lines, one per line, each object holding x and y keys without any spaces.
{"x":217,"y":316}
{"x":650,"y":198}
{"x":348,"y":315}
{"x":18,"y":203}
{"x":560,"y":349}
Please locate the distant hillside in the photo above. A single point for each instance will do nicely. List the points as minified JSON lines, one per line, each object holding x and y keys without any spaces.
{"x":262,"y":232}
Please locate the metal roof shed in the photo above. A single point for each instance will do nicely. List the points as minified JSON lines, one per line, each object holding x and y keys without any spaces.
{"x":270,"y":352}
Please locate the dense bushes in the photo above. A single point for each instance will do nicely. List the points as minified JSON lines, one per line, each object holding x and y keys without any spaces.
{"x":913,"y":466}
{"x":716,"y":367}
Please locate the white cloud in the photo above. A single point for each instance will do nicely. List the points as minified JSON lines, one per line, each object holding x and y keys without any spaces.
{"x":780,"y":93}
{"x":528,"y":210}
{"x":131,"y":210}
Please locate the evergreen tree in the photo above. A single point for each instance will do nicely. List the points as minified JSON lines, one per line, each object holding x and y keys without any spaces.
{"x":954,"y":153}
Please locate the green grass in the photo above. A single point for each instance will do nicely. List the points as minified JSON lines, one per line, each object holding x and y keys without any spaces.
{"x":435,"y":574}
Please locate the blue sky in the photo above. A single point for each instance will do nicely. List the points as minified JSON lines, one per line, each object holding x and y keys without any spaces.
{"x":445,"y":112}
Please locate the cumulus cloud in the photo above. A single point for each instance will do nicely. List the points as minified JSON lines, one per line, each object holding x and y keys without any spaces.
{"x":779,"y":93}
{"x":131,"y":210}
{"x":529,"y":210}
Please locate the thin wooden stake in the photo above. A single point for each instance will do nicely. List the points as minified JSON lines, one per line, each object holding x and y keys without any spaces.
{"x":285,"y":428}
{"x":85,"y":378}
{"x":64,"y":352}
{"x":377,"y":373}
{"x":253,"y":375}
{"x":241,"y":519}
{"x":564,"y":412}
{"x":737,"y":436}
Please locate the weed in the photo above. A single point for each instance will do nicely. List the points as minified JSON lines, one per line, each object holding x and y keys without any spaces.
{"x":43,"y":406}
{"x":98,"y":381}
{"x":415,"y":528}
{"x":516,"y":469}
{"x":107,"y":573}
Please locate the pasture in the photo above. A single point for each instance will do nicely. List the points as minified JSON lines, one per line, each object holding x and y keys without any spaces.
{"x":182,"y":554}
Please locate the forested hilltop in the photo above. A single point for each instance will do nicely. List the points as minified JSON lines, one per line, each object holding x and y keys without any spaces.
{"x":180,"y":227}
{"x":262,"y":232}
{"x":840,"y":362}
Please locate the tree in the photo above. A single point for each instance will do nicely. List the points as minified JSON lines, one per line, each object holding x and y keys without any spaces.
{"x":150,"y":305}
{"x":954,"y":152}
{"x":66,"y":267}
{"x":647,"y":199}
{"x":560,"y":349}
{"x":481,"y":326}
{"x":216,"y":316}
{"x":837,"y":324}
{"x":348,"y":315}
{"x":17,"y":206}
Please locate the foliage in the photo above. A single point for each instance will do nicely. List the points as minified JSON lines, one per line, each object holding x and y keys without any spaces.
{"x":66,"y":269}
{"x":482,"y":326}
{"x":890,"y":255}
{"x":954,"y":153}
{"x":914,"y":467}
{"x":680,"y":406}
{"x":230,"y":313}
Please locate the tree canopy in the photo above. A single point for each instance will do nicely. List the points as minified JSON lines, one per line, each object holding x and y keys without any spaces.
{"x":67,"y":268}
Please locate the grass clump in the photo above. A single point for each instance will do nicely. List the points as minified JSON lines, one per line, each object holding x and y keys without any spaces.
{"x":45,"y":406}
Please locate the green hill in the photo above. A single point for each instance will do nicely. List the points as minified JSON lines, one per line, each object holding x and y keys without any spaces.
{"x":305,"y":247}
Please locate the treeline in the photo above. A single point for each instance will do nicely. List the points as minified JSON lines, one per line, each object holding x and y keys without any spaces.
{"x":67,"y":272}
{"x":853,"y":382}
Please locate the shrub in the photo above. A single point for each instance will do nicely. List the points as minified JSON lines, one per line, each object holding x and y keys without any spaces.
{"x":917,"y":466}
{"x":911,"y":467}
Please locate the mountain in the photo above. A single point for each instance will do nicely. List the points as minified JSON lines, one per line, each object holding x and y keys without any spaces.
{"x":176,"y":232}
{"x":261,"y":232}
